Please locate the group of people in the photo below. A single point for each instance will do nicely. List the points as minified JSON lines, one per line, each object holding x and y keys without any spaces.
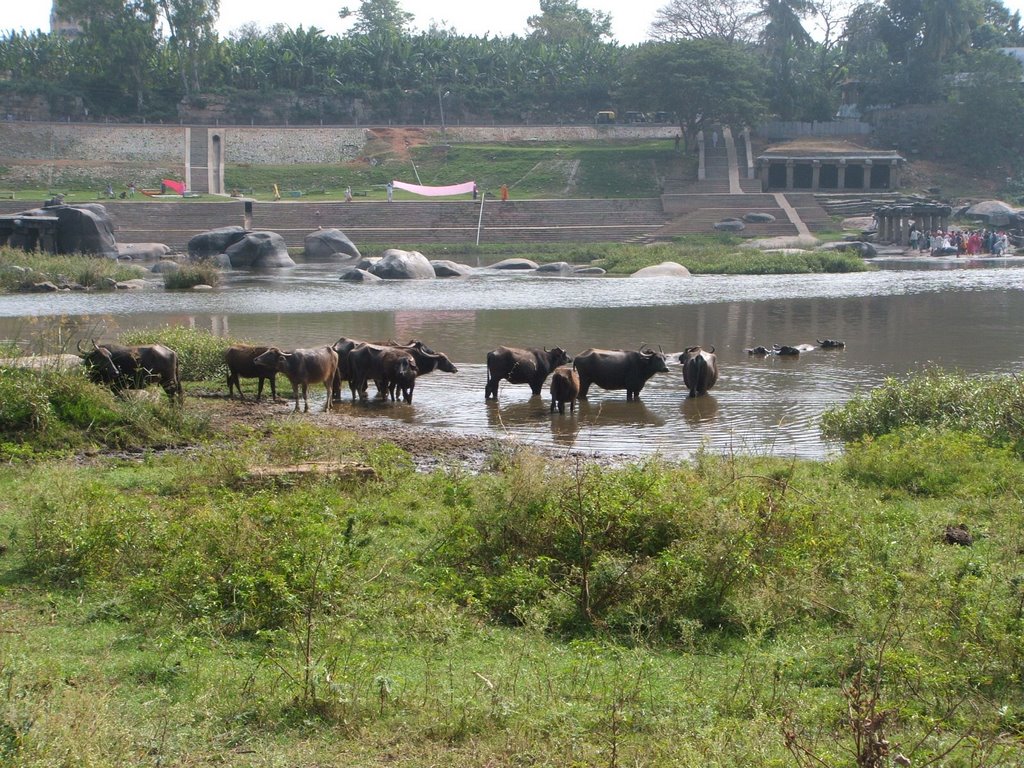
{"x":960,"y":243}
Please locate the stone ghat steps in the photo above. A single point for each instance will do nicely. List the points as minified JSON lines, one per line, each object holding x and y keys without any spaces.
{"x":809,"y":209}
{"x":598,"y":220}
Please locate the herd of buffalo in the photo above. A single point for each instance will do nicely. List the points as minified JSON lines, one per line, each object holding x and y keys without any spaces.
{"x":394,"y":368}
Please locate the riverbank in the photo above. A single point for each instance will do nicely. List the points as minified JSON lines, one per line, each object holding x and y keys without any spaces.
{"x":187,"y":604}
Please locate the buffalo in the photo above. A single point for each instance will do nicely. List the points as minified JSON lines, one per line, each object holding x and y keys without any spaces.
{"x":393,"y":368}
{"x":427,"y":361}
{"x":618,"y":369}
{"x":700,"y":369}
{"x":241,"y":362}
{"x":565,"y":388}
{"x":303,"y":367}
{"x":831,"y":343}
{"x":761,"y":350}
{"x":121,"y":367}
{"x":521,"y":366}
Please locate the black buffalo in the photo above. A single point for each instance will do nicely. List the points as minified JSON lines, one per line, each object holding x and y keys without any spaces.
{"x":700,"y":369}
{"x":831,"y":343}
{"x":241,"y":363}
{"x":521,"y":366}
{"x":392,"y":368}
{"x":565,"y":388}
{"x":427,"y":361}
{"x":618,"y":369}
{"x":303,"y":367}
{"x":121,"y":367}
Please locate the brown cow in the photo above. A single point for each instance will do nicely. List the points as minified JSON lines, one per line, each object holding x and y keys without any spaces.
{"x":565,"y":388}
{"x":304,"y":367}
{"x":241,"y":362}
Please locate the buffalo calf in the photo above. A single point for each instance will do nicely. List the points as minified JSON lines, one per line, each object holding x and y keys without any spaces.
{"x":241,"y":362}
{"x":565,"y":388}
{"x":304,"y":367}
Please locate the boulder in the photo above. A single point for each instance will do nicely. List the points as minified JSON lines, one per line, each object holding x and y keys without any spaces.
{"x":757,"y":217}
{"x":560,"y":268}
{"x":994,"y":212}
{"x":44,"y":286}
{"x":259,"y":250}
{"x":330,"y":245}
{"x":865,"y":250}
{"x":358,"y":276}
{"x":207,"y":244}
{"x":84,"y":228}
{"x":147,"y":251}
{"x":220,"y":261}
{"x":366,"y":262}
{"x":588,"y":271}
{"x":445,"y":268}
{"x":202,"y":287}
{"x":730,"y":225}
{"x":397,"y":264}
{"x":514,"y":264}
{"x":164,"y":266}
{"x":135,"y":284}
{"x":665,"y":269}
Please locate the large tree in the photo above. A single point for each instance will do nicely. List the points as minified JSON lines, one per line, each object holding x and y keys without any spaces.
{"x":702,"y":81}
{"x":383,"y":18}
{"x":190,"y":24}
{"x":563,"y":20}
{"x":729,"y":20}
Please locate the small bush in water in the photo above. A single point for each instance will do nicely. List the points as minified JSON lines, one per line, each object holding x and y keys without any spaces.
{"x":191,"y":275}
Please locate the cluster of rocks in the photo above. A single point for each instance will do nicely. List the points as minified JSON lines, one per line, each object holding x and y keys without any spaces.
{"x":733,"y":224}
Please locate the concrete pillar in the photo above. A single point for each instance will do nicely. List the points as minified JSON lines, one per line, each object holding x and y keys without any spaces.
{"x":750,"y":152}
{"x":789,"y":174}
{"x":841,"y":174}
{"x":815,"y":175}
{"x":867,"y":174}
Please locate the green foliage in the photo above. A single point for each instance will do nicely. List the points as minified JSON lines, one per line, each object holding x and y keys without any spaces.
{"x":720,"y":254}
{"x":191,"y":275}
{"x":991,"y":406}
{"x":929,"y":462}
{"x":200,"y":353}
{"x":52,"y":409}
{"x":20,"y":269}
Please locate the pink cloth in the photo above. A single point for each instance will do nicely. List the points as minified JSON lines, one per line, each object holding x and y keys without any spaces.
{"x":174,"y":186}
{"x":417,"y":189}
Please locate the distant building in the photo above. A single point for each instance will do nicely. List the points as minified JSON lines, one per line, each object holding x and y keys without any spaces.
{"x":63,"y":25}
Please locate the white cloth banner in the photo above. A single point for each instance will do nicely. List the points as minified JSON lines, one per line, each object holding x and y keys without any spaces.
{"x":454,"y":189}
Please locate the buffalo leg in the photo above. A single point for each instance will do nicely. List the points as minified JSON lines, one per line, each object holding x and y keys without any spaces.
{"x":561,"y":407}
{"x":584,"y":386}
{"x":491,"y":390}
{"x":232,"y":381}
{"x":259,"y":389}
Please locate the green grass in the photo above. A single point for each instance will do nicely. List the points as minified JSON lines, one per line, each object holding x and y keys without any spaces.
{"x":178,"y":609}
{"x":191,"y":275}
{"x":20,"y":269}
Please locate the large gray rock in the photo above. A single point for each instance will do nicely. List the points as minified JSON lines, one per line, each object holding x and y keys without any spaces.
{"x":358,"y":276}
{"x":259,"y":250}
{"x":515,"y":264}
{"x":366,"y":262}
{"x":207,"y":244}
{"x":560,"y":268}
{"x":445,"y":268}
{"x":758,"y":217}
{"x":142,"y":251}
{"x":84,"y":228}
{"x":397,"y":264}
{"x":164,"y":266}
{"x":994,"y":212}
{"x":665,"y":269}
{"x":861,"y":248}
{"x":730,"y":225}
{"x":330,"y":245}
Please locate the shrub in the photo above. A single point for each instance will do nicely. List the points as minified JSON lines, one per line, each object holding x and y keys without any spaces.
{"x":200,"y":353}
{"x":191,"y":275}
{"x":89,"y":271}
{"x":992,"y":406}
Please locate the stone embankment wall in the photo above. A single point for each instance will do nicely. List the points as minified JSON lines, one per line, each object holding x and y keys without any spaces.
{"x":76,"y":154}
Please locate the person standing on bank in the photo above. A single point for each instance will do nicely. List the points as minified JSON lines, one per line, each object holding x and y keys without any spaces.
{"x":348,"y":194}
{"x":504,"y":192}
{"x":390,"y":191}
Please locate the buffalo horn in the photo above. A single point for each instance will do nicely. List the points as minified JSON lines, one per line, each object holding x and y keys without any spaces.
{"x":712,"y":349}
{"x":80,"y":352}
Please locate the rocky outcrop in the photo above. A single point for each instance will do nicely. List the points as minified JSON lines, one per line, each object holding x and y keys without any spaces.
{"x":514,"y":264}
{"x":259,"y":250}
{"x":84,"y":228}
{"x":330,"y":245}
{"x":397,"y":264}
{"x":358,"y":276}
{"x":861,"y":248}
{"x":665,"y":269}
{"x":216,"y":241}
{"x":142,"y":251}
{"x":445,"y":268}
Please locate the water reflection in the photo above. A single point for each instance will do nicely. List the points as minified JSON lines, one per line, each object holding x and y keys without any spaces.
{"x":893,"y":322}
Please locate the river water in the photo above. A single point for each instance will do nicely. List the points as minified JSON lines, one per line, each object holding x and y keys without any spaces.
{"x":966,"y":315}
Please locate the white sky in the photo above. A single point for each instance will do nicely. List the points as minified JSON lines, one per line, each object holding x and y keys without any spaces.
{"x":630,"y":18}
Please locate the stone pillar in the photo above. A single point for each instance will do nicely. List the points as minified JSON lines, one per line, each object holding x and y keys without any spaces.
{"x":815,"y":175}
{"x":841,"y":175}
{"x":884,"y":227}
{"x":750,"y":152}
{"x":867,"y":174}
{"x":894,"y":175}
{"x":789,"y":174}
